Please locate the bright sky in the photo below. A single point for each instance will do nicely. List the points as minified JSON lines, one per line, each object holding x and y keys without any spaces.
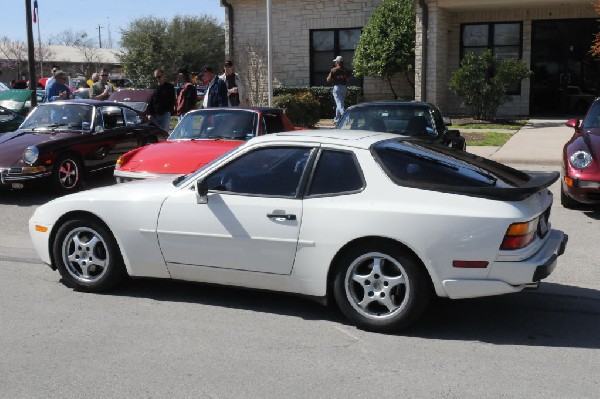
{"x":56,"y":16}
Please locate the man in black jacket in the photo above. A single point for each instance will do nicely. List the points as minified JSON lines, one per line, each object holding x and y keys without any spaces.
{"x":216,"y":89}
{"x":163,"y":101}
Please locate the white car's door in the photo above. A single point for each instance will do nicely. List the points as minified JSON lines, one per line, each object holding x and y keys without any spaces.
{"x":251,"y":220}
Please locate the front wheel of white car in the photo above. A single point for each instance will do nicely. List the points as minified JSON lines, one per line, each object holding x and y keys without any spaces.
{"x":380,"y":288}
{"x":87,"y":256}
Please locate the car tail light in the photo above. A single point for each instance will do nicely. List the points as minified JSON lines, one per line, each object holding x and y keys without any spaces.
{"x":519,"y":235}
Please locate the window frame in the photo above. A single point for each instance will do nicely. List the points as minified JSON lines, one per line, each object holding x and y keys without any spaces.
{"x":336,"y":51}
{"x":490,"y":45}
{"x":313,"y":170}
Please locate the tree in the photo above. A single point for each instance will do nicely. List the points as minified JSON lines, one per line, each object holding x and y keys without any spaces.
{"x":93,"y":59}
{"x":483,"y":81}
{"x":15,"y":53}
{"x":596,"y":42}
{"x":70,"y":38}
{"x":185,"y":42}
{"x":387,"y":44}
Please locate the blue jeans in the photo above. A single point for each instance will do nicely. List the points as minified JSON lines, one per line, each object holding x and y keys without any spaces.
{"x":163,"y":120}
{"x":339,"y":95}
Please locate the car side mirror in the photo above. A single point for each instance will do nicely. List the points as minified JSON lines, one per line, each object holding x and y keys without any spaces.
{"x":99,"y":129}
{"x":202,"y":191}
{"x":455,"y":140}
{"x":574,"y":123}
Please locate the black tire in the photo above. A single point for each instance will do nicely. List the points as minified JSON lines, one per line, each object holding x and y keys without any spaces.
{"x":395,"y":284}
{"x":87,"y":256}
{"x":567,"y":201}
{"x":67,"y":174}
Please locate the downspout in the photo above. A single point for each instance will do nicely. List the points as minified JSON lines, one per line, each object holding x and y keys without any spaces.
{"x":229,"y":14}
{"x":424,"y":29}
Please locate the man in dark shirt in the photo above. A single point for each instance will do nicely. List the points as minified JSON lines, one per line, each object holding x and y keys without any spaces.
{"x":163,"y":101}
{"x":339,"y":77}
{"x":216,"y":89}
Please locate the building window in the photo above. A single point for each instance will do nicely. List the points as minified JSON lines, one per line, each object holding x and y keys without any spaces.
{"x":503,"y":38}
{"x":325,"y":45}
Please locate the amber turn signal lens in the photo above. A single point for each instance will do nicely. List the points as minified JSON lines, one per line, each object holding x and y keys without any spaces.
{"x":519,"y":235}
{"x":41,"y":229}
{"x":568,"y":181}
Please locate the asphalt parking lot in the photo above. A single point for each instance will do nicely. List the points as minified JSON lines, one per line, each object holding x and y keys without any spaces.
{"x":156,"y":338}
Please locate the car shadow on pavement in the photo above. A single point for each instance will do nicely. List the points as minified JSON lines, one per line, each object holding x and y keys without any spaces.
{"x":228,"y":297}
{"x":555,"y":315}
{"x":39,"y":195}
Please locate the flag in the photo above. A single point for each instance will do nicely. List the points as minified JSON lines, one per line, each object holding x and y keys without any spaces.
{"x":35,"y":11}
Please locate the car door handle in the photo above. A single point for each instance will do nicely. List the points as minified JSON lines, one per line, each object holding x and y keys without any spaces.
{"x":281,"y":216}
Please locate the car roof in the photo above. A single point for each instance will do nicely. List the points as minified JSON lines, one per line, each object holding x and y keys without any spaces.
{"x":88,"y":101}
{"x":240,"y":108}
{"x":350,"y":138}
{"x":392,"y":103}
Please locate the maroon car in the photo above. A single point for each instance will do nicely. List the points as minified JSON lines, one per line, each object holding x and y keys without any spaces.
{"x":63,"y":141}
{"x":138,"y":99}
{"x":581,"y":165}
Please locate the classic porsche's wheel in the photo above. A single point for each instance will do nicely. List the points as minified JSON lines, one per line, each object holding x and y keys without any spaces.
{"x":67,"y":174}
{"x":380,"y":288}
{"x":87,"y":256}
{"x":567,"y":201}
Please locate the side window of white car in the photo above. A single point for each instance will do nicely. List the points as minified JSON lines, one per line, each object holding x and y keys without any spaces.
{"x":337,"y":172}
{"x":273,"y":171}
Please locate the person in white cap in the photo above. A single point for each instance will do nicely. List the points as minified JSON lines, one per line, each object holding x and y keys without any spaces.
{"x":339,"y":77}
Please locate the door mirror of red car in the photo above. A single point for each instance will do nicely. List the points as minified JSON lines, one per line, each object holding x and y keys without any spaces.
{"x":202,"y":191}
{"x":574,"y":123}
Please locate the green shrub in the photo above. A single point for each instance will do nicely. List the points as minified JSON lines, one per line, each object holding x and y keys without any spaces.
{"x":483,"y":81}
{"x":301,"y":108}
{"x":324,"y":95}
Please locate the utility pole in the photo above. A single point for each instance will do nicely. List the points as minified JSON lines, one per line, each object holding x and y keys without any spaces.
{"x":31,"y":54}
{"x":99,"y":36}
{"x":109,"y":38}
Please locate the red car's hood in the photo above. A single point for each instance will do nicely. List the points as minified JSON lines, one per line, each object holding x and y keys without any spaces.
{"x":13,"y":144}
{"x":177,"y":156}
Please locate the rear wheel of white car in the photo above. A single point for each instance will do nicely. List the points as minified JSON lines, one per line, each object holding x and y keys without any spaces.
{"x":87,"y":256}
{"x":380,"y":288}
{"x":67,"y":174}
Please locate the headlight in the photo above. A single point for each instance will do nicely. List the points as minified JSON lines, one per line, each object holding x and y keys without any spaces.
{"x":30,"y":155}
{"x":580,"y":159}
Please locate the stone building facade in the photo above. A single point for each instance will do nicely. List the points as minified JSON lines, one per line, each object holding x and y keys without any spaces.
{"x":441,"y":38}
{"x":551,"y":36}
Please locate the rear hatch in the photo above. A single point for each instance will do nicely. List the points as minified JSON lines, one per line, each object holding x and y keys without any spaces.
{"x":435,"y":167}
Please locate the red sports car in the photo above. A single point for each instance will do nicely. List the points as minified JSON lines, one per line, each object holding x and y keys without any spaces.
{"x":200,"y":137}
{"x":581,"y":161}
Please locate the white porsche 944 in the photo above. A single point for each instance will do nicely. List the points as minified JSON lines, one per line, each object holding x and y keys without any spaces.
{"x":375,"y":222}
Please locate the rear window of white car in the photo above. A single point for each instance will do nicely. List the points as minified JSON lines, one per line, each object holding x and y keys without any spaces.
{"x":432,"y":167}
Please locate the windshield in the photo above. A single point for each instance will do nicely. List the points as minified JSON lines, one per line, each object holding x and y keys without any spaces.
{"x":592,"y":119}
{"x":216,"y":124}
{"x":60,"y":115}
{"x":404,"y":119}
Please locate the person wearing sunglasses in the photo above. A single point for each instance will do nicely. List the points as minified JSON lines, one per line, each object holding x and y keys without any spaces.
{"x":101,"y":89}
{"x":58,"y":89}
{"x":163,"y":101}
